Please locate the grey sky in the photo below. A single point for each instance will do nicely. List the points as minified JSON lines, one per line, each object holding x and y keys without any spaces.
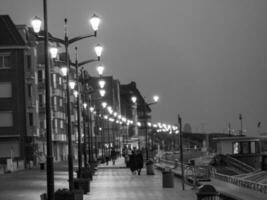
{"x":205,"y":58}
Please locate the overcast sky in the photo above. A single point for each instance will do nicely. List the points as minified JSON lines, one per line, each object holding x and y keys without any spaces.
{"x":205,"y":58}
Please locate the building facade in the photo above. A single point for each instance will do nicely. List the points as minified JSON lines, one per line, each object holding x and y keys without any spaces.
{"x":22,"y":98}
{"x":19,"y":127}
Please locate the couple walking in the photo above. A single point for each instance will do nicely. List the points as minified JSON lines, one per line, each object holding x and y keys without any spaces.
{"x":136,"y":161}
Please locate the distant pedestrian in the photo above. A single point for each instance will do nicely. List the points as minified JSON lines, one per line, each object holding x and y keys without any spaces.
{"x":132,"y":162}
{"x":139,"y":161}
{"x":113,"y":156}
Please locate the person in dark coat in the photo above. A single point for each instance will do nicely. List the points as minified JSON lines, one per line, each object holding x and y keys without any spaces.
{"x":132,"y":162}
{"x":139,"y":161}
{"x":113,"y":156}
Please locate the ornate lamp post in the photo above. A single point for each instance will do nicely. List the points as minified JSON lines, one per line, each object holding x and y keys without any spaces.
{"x":98,"y":51}
{"x":95,"y":21}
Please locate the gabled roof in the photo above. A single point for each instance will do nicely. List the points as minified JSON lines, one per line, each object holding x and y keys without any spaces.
{"x":129,"y":90}
{"x":9,"y":35}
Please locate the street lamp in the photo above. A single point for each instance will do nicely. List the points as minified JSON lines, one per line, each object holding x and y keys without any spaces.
{"x":75,"y":93}
{"x":95,"y":21}
{"x":102,"y":83}
{"x":100,"y":69}
{"x":155,"y":100}
{"x":36,"y":24}
{"x":77,"y":65}
{"x":181,"y":149}
{"x":66,"y":42}
{"x":64,"y":70}
{"x":241,"y":125}
{"x":134,"y":114}
{"x":72,"y":84}
{"x":102,"y":92}
{"x":134,"y":99}
{"x":53,"y":52}
{"x":98,"y":50}
{"x":104,"y":104}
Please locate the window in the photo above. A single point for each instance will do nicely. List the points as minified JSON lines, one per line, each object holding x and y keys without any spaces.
{"x":55,"y":123}
{"x":61,"y":124}
{"x":5,"y":90}
{"x":54,"y":77}
{"x":43,"y":124}
{"x":29,"y":62}
{"x":30,"y":119}
{"x":6,"y":118}
{"x":5,"y":60}
{"x":60,"y":102}
{"x":29,"y":88}
{"x":55,"y":102}
{"x":236,"y":147}
{"x":41,"y":100}
{"x":60,"y":80}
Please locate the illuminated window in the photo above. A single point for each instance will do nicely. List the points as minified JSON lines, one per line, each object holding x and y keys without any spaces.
{"x":236,"y":148}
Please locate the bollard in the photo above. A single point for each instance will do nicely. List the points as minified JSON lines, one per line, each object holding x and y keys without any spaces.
{"x":167,"y":178}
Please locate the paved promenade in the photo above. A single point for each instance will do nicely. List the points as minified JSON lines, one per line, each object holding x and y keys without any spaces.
{"x":110,"y":182}
{"x":113,"y":182}
{"x":117,"y":183}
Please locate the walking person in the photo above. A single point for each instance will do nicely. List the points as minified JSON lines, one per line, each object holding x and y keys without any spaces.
{"x":132,"y":162}
{"x":139,"y":162}
{"x":113,"y":156}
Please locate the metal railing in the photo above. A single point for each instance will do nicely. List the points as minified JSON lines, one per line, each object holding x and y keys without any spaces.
{"x":259,"y":187}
